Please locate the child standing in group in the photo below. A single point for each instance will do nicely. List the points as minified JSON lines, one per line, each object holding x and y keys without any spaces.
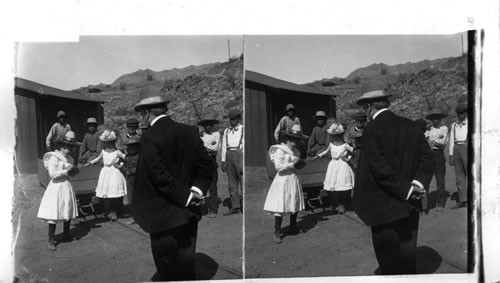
{"x":111,"y":185}
{"x":339,"y":175}
{"x":285,"y":194}
{"x":59,"y":201}
{"x":133,"y":146}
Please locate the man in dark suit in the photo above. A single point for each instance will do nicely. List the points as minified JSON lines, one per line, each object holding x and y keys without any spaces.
{"x":395,"y":168}
{"x":173,"y":173}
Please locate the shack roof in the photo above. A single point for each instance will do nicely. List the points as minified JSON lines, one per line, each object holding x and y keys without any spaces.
{"x":47,"y":90}
{"x":281,"y":84}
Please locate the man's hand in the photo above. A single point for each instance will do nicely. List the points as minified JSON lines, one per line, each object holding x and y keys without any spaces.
{"x":223,"y":166}
{"x":197,"y":199}
{"x":417,"y":192}
{"x":452,"y":160}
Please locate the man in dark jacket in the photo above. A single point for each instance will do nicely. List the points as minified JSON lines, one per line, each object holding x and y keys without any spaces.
{"x":394,"y":170}
{"x":173,"y":173}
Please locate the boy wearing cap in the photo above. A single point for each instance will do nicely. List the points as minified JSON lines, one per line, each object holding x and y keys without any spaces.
{"x":458,"y":153}
{"x":437,"y":137}
{"x":318,"y":139}
{"x":286,"y":122}
{"x":133,"y":147}
{"x":132,"y":126}
{"x":57,"y":131}
{"x":211,"y":140}
{"x":91,"y":144}
{"x":232,"y":159}
{"x":356,"y":129}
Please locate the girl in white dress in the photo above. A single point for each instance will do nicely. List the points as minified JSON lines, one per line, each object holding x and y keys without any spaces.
{"x":111,"y":186}
{"x":59,"y":201}
{"x":339,"y":179}
{"x":285,"y":194}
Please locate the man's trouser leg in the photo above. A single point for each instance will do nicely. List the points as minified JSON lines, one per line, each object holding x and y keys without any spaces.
{"x":395,"y":245}
{"x":174,"y":252}
{"x":213,"y":202}
{"x":439,"y":173}
{"x":234,"y":167}
{"x":460,"y":155}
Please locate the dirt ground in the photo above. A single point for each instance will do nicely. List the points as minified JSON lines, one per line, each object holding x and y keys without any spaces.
{"x":114,"y":252}
{"x":340,"y":245}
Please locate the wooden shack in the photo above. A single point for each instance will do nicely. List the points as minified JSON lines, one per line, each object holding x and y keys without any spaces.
{"x":37,"y":107}
{"x":265,"y":101}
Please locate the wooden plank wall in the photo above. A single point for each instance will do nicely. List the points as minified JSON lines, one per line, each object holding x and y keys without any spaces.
{"x":26,"y":134}
{"x":256,"y":134}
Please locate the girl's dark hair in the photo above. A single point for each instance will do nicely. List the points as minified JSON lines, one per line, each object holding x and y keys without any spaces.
{"x":59,"y":144}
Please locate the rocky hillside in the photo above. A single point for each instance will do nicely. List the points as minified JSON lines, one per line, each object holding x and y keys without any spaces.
{"x":194,"y":92}
{"x":415,"y":87}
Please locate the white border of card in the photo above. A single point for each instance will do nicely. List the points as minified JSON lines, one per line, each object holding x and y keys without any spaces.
{"x":67,"y":20}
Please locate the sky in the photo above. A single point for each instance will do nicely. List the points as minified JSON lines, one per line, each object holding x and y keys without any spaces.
{"x":303,"y":59}
{"x":102,"y":59}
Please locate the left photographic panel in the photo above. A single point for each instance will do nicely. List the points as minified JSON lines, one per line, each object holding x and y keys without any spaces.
{"x":129,"y":159}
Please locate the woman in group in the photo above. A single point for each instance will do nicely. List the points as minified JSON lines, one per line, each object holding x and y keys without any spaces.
{"x":285,"y":194}
{"x":59,"y":201}
{"x":111,"y":185}
{"x":339,"y":179}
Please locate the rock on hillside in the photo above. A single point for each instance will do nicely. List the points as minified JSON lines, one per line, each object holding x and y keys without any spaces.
{"x":194,"y":91}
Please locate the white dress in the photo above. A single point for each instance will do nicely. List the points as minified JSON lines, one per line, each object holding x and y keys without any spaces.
{"x":59,"y":200}
{"x":339,"y":175}
{"x":285,"y":194}
{"x":111,"y":183}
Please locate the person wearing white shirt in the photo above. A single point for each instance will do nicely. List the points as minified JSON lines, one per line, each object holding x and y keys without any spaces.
{"x":437,"y":136}
{"x":232,"y":159}
{"x":211,"y":140}
{"x":458,"y":153}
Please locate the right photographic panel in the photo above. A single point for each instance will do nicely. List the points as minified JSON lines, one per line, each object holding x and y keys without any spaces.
{"x":358,"y":155}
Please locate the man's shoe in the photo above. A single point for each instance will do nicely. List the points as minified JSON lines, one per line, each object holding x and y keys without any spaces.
{"x":212,"y":215}
{"x":232,"y":211}
{"x":459,"y":205}
{"x":439,"y":208}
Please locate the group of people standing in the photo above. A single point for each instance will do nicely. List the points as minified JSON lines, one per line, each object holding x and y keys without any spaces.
{"x":117,"y":154}
{"x":384,"y":162}
{"x":163,"y":175}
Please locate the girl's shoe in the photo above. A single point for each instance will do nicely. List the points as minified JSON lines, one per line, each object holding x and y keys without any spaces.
{"x":51,"y":245}
{"x":277,"y":237}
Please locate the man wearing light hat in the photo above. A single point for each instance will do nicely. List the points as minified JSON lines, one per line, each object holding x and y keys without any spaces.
{"x":395,"y":168}
{"x":211,"y":140}
{"x":57,"y":131}
{"x":286,"y":122}
{"x":437,"y":137}
{"x":232,"y":159}
{"x":173,"y":173}
{"x":91,"y":144}
{"x":458,"y":153}
{"x":318,"y":139}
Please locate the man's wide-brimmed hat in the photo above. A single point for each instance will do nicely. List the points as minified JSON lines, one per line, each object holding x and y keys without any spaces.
{"x":359,"y":116}
{"x":149,"y":96}
{"x":289,"y":107}
{"x":335,"y":129}
{"x":69,"y":139}
{"x":210,"y":119}
{"x":61,"y":113}
{"x":132,"y":122}
{"x":320,"y":114}
{"x":107,"y":135}
{"x":233,"y":114}
{"x":132,"y":140}
{"x":372,"y":91}
{"x":436,"y":114}
{"x":295,"y":132}
{"x":91,"y":120}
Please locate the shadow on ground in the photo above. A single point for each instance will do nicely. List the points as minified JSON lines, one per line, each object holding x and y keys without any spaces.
{"x":206,"y":268}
